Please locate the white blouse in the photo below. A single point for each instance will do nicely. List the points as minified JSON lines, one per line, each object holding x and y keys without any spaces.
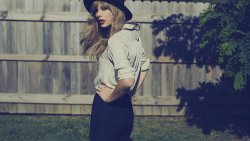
{"x":123,"y":58}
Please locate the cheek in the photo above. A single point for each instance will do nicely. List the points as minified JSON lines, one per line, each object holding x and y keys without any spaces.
{"x":110,"y":16}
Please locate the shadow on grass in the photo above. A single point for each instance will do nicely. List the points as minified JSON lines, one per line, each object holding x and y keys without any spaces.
{"x":210,"y":106}
{"x":217,"y":107}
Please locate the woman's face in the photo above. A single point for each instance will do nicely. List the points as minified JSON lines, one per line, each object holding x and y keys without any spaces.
{"x":104,"y":16}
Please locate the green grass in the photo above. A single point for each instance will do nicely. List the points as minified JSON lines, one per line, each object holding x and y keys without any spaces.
{"x":75,"y":128}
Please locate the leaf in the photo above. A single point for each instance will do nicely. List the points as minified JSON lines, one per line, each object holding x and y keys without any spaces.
{"x":239,"y":81}
{"x":228,"y":48}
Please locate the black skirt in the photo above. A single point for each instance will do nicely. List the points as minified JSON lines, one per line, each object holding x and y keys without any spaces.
{"x":111,"y":121}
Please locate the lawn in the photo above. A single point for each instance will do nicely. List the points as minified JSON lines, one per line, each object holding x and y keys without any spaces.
{"x":75,"y":128}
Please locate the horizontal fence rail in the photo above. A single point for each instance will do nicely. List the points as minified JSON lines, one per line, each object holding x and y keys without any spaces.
{"x":76,"y":17}
{"x":73,"y":58}
{"x":80,"y":99}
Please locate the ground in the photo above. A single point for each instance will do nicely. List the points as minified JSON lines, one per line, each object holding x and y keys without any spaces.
{"x":75,"y":128}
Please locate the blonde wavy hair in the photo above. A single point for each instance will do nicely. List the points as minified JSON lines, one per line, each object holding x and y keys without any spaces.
{"x":95,"y":39}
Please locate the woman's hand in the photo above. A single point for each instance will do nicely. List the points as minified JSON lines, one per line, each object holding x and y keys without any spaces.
{"x":104,"y":92}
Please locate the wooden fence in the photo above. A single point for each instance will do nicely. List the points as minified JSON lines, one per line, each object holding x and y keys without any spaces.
{"x":42,"y":69}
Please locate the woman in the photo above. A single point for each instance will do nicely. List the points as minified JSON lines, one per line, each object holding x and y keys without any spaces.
{"x":122,"y":68}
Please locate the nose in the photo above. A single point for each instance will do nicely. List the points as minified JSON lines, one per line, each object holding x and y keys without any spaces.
{"x":98,"y":14}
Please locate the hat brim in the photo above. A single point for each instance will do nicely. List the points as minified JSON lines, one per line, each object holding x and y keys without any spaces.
{"x":127,"y":12}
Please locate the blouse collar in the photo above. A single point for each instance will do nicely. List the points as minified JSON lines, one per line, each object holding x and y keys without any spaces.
{"x":131,"y":26}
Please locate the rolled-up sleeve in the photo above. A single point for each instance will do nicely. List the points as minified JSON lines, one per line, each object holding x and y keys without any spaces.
{"x":118,"y":54}
{"x":145,"y":62}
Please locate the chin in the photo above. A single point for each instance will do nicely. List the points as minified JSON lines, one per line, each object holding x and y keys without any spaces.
{"x":105,"y":25}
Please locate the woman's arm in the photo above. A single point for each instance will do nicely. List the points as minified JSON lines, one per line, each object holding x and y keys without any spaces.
{"x":141,"y":78}
{"x":108,"y":95}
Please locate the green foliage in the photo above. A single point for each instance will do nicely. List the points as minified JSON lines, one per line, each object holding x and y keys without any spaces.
{"x":226,"y":27}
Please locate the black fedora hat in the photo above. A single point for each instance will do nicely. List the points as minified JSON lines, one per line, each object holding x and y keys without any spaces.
{"x":117,"y":3}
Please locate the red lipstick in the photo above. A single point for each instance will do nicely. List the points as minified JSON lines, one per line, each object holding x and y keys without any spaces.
{"x":101,"y":21}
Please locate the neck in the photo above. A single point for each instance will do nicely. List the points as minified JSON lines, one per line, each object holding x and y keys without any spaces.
{"x":105,"y":31}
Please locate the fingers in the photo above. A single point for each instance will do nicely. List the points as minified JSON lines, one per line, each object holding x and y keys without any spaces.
{"x":105,"y":86}
{"x":100,"y":87}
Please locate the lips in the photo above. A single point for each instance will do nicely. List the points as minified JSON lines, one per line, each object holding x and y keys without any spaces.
{"x":101,"y":21}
